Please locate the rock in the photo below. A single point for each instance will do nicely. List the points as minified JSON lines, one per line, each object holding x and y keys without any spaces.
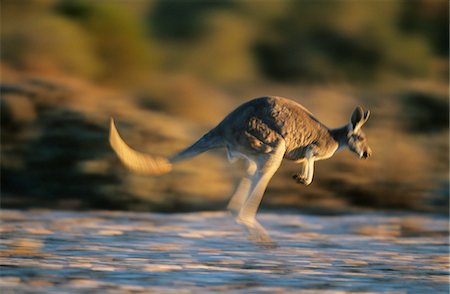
{"x":17,"y":110}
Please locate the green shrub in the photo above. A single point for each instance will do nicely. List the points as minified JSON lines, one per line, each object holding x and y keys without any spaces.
{"x":319,"y":40}
{"x":120,"y":41}
{"x":45,"y":41}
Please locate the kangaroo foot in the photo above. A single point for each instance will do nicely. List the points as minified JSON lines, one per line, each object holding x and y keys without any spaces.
{"x":257,"y":233}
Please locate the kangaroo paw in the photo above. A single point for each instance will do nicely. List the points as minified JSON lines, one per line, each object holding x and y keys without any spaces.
{"x":300,"y":179}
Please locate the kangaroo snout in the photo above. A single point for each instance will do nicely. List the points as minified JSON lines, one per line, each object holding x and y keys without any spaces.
{"x":366,"y":154}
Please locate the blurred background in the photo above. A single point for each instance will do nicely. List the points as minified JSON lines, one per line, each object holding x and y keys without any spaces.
{"x":168,"y":71}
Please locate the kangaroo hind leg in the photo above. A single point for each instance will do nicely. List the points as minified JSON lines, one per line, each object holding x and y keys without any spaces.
{"x":267,"y":164}
{"x":242,"y":190}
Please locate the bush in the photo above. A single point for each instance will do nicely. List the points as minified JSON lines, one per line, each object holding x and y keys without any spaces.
{"x":425,"y":113}
{"x":44,"y":41}
{"x":118,"y":36}
{"x":320,"y":40}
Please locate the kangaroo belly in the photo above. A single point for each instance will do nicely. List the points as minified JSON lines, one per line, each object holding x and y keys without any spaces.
{"x":296,"y":154}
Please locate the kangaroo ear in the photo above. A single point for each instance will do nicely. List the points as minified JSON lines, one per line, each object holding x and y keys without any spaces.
{"x":366,"y":115}
{"x":357,"y":118}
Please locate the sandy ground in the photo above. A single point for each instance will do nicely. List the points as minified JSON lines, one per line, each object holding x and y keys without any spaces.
{"x":55,"y":251}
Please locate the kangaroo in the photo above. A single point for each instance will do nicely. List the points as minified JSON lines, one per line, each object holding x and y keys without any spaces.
{"x":263,"y":132}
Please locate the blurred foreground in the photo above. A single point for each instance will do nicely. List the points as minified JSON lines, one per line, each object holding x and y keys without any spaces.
{"x":43,"y":251}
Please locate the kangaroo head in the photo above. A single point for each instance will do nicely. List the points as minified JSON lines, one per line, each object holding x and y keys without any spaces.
{"x":357,"y":141}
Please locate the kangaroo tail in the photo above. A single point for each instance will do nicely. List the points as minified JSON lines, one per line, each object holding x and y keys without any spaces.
{"x":210,"y":140}
{"x":136,"y":161}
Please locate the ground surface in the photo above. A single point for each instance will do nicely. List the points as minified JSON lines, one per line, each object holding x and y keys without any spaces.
{"x":43,"y":251}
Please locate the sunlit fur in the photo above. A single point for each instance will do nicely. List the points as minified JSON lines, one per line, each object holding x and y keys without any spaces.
{"x":263,"y":132}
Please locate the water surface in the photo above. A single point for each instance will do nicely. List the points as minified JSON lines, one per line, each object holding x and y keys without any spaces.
{"x":54,"y":251}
